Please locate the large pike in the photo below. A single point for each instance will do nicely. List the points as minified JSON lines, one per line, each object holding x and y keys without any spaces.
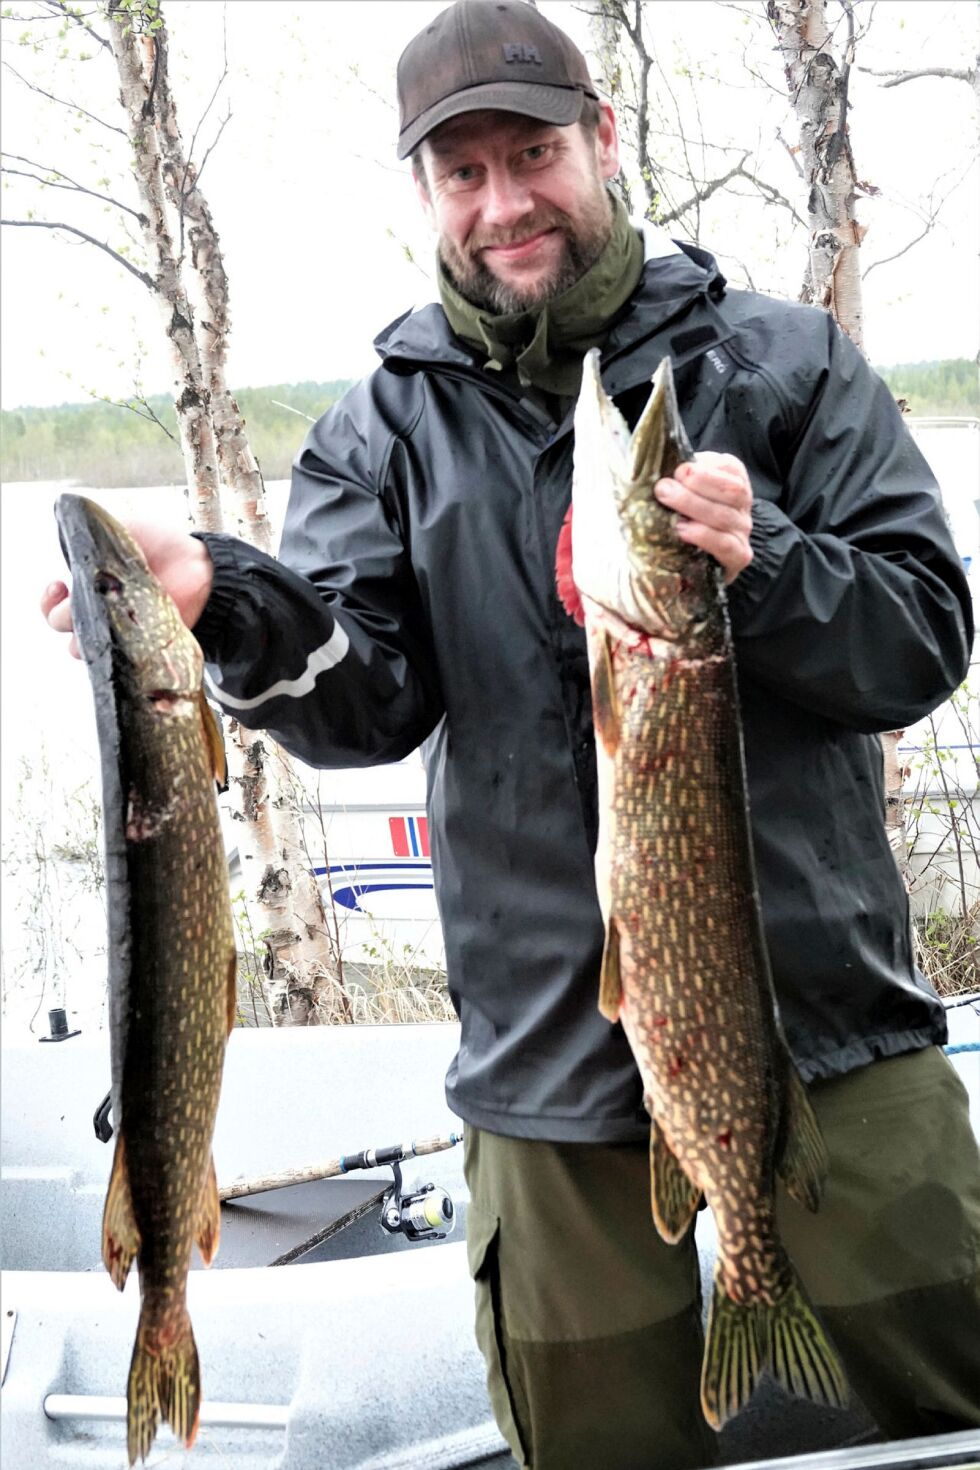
{"x":685,"y":966}
{"x":171,"y":950}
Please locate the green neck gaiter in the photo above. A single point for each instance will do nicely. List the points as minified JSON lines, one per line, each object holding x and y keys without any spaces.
{"x":546,"y":344}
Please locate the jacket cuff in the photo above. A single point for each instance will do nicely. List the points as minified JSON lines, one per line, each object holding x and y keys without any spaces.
{"x":770,"y":539}
{"x":212,"y":626}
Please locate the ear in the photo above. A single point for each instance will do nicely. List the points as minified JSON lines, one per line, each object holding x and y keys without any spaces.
{"x":607,"y":143}
{"x":425,"y":198}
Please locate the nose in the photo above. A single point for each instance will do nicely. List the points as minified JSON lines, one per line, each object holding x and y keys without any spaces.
{"x":506,"y":199}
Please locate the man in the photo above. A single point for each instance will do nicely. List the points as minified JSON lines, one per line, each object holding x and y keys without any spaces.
{"x":415,"y":604}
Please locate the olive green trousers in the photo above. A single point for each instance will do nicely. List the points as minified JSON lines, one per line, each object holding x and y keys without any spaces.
{"x":591,"y":1326}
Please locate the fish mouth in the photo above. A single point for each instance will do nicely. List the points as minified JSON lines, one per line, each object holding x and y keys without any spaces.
{"x":92,"y":540}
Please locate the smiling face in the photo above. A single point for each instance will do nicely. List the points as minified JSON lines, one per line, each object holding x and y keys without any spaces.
{"x":520,"y":206}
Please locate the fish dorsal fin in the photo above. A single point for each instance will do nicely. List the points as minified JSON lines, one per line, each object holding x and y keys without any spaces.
{"x":675,"y":1199}
{"x":568,"y":593}
{"x":803,"y":1163}
{"x":214,"y":740}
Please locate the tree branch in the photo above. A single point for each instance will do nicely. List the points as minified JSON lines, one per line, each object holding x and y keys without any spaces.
{"x":65,"y":12}
{"x":72,"y":106}
{"x":45,"y":224}
{"x":700,"y":195}
{"x":898,"y":77}
{"x":70,"y":184}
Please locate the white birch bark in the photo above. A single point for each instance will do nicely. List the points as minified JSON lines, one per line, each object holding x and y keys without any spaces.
{"x":284,"y":902}
{"x":817,"y":83}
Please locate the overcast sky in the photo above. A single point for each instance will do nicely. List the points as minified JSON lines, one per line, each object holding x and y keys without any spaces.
{"x":314,"y":211}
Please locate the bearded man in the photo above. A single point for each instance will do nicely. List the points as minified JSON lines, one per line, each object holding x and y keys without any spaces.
{"x":414,"y":605}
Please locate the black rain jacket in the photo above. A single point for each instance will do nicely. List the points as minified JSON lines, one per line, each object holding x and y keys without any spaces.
{"x":415,"y":605}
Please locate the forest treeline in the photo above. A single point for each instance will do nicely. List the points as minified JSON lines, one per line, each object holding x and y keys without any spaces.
{"x":103,"y":445}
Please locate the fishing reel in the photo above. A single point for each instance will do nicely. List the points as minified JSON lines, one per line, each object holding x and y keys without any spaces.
{"x":427,"y":1213}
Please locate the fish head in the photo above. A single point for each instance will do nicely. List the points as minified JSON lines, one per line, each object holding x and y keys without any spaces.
{"x":627,"y":559}
{"x":121,"y":612}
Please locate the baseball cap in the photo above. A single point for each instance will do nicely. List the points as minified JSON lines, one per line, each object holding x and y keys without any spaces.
{"x":500,"y":54}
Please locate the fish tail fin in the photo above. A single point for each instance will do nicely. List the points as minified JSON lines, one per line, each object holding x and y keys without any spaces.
{"x":120,"y":1233}
{"x":799,"y":1354}
{"x":209,"y":1220}
{"x":164,"y":1383}
{"x":734,"y":1355}
{"x":803,"y":1162}
{"x":786,"y":1338}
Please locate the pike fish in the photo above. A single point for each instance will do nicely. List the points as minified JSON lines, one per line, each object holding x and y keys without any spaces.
{"x":171,"y":950}
{"x":685,"y":967}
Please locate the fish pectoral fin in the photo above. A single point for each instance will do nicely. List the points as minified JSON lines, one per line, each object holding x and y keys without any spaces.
{"x":610,"y":979}
{"x":675,"y":1199}
{"x":803,"y":1162}
{"x":799,"y":1354}
{"x":209,"y":1220}
{"x":605,"y":705}
{"x":164,"y":1383}
{"x":120,"y":1233}
{"x":734,"y":1355}
{"x":213,"y":740}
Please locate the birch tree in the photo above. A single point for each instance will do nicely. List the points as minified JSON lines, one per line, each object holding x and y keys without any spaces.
{"x":185,"y":275}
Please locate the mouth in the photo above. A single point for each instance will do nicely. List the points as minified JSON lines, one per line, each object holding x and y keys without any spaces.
{"x":518,"y":250}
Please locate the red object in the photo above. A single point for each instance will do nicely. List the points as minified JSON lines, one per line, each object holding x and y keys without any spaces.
{"x":571,"y":600}
{"x":399,"y":836}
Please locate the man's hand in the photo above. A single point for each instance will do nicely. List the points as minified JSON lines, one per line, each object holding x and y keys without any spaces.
{"x":179,"y":562}
{"x":713,"y":495}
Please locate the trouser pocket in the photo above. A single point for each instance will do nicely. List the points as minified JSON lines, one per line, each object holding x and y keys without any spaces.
{"x":482,"y":1247}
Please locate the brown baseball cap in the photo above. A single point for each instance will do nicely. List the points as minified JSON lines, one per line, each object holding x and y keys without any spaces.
{"x":499,"y":54}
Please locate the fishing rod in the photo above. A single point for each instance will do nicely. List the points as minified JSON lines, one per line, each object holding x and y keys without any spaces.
{"x":425,"y":1213}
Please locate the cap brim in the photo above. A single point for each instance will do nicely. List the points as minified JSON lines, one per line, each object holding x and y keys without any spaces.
{"x":559,"y":105}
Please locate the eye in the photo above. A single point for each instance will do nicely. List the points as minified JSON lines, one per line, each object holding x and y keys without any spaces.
{"x":536,"y":152}
{"x":106,"y":585}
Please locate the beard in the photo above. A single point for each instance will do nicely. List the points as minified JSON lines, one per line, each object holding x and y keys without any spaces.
{"x":584,"y":238}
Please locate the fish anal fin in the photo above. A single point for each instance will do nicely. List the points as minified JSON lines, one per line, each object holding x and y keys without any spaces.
{"x":799,"y":1354}
{"x":734,"y":1355}
{"x":164,"y":1383}
{"x":120,"y":1233}
{"x":610,"y":978}
{"x":674,"y":1198}
{"x":605,"y":705}
{"x":213,"y":739}
{"x":209,"y":1220}
{"x":803,"y":1161}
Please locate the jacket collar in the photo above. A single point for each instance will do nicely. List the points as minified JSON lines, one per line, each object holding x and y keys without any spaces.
{"x":651,"y":324}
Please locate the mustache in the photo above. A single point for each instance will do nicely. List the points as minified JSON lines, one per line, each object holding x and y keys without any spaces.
{"x":517,"y":234}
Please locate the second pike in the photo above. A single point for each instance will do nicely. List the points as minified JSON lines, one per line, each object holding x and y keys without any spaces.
{"x":685,"y":966}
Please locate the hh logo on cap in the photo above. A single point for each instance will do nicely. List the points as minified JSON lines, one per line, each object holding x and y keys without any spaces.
{"x":522,"y":52}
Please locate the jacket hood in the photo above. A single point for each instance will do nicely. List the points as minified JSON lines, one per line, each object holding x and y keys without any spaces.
{"x":669,"y":286}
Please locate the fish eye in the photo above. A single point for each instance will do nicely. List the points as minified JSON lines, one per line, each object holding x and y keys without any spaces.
{"x":106,"y":585}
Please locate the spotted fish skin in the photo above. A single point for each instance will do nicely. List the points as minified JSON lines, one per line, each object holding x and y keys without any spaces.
{"x":172,"y":950}
{"x":685,"y":967}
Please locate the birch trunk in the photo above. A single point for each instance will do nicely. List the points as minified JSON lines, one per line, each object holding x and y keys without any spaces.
{"x":817,"y":84}
{"x":135,"y":56}
{"x":285,"y":902}
{"x":301,"y":965}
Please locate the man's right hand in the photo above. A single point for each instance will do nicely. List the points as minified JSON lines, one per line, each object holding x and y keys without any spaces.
{"x":180,"y":563}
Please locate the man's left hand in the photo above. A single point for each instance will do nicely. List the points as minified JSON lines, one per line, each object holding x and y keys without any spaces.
{"x":713,"y":496}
